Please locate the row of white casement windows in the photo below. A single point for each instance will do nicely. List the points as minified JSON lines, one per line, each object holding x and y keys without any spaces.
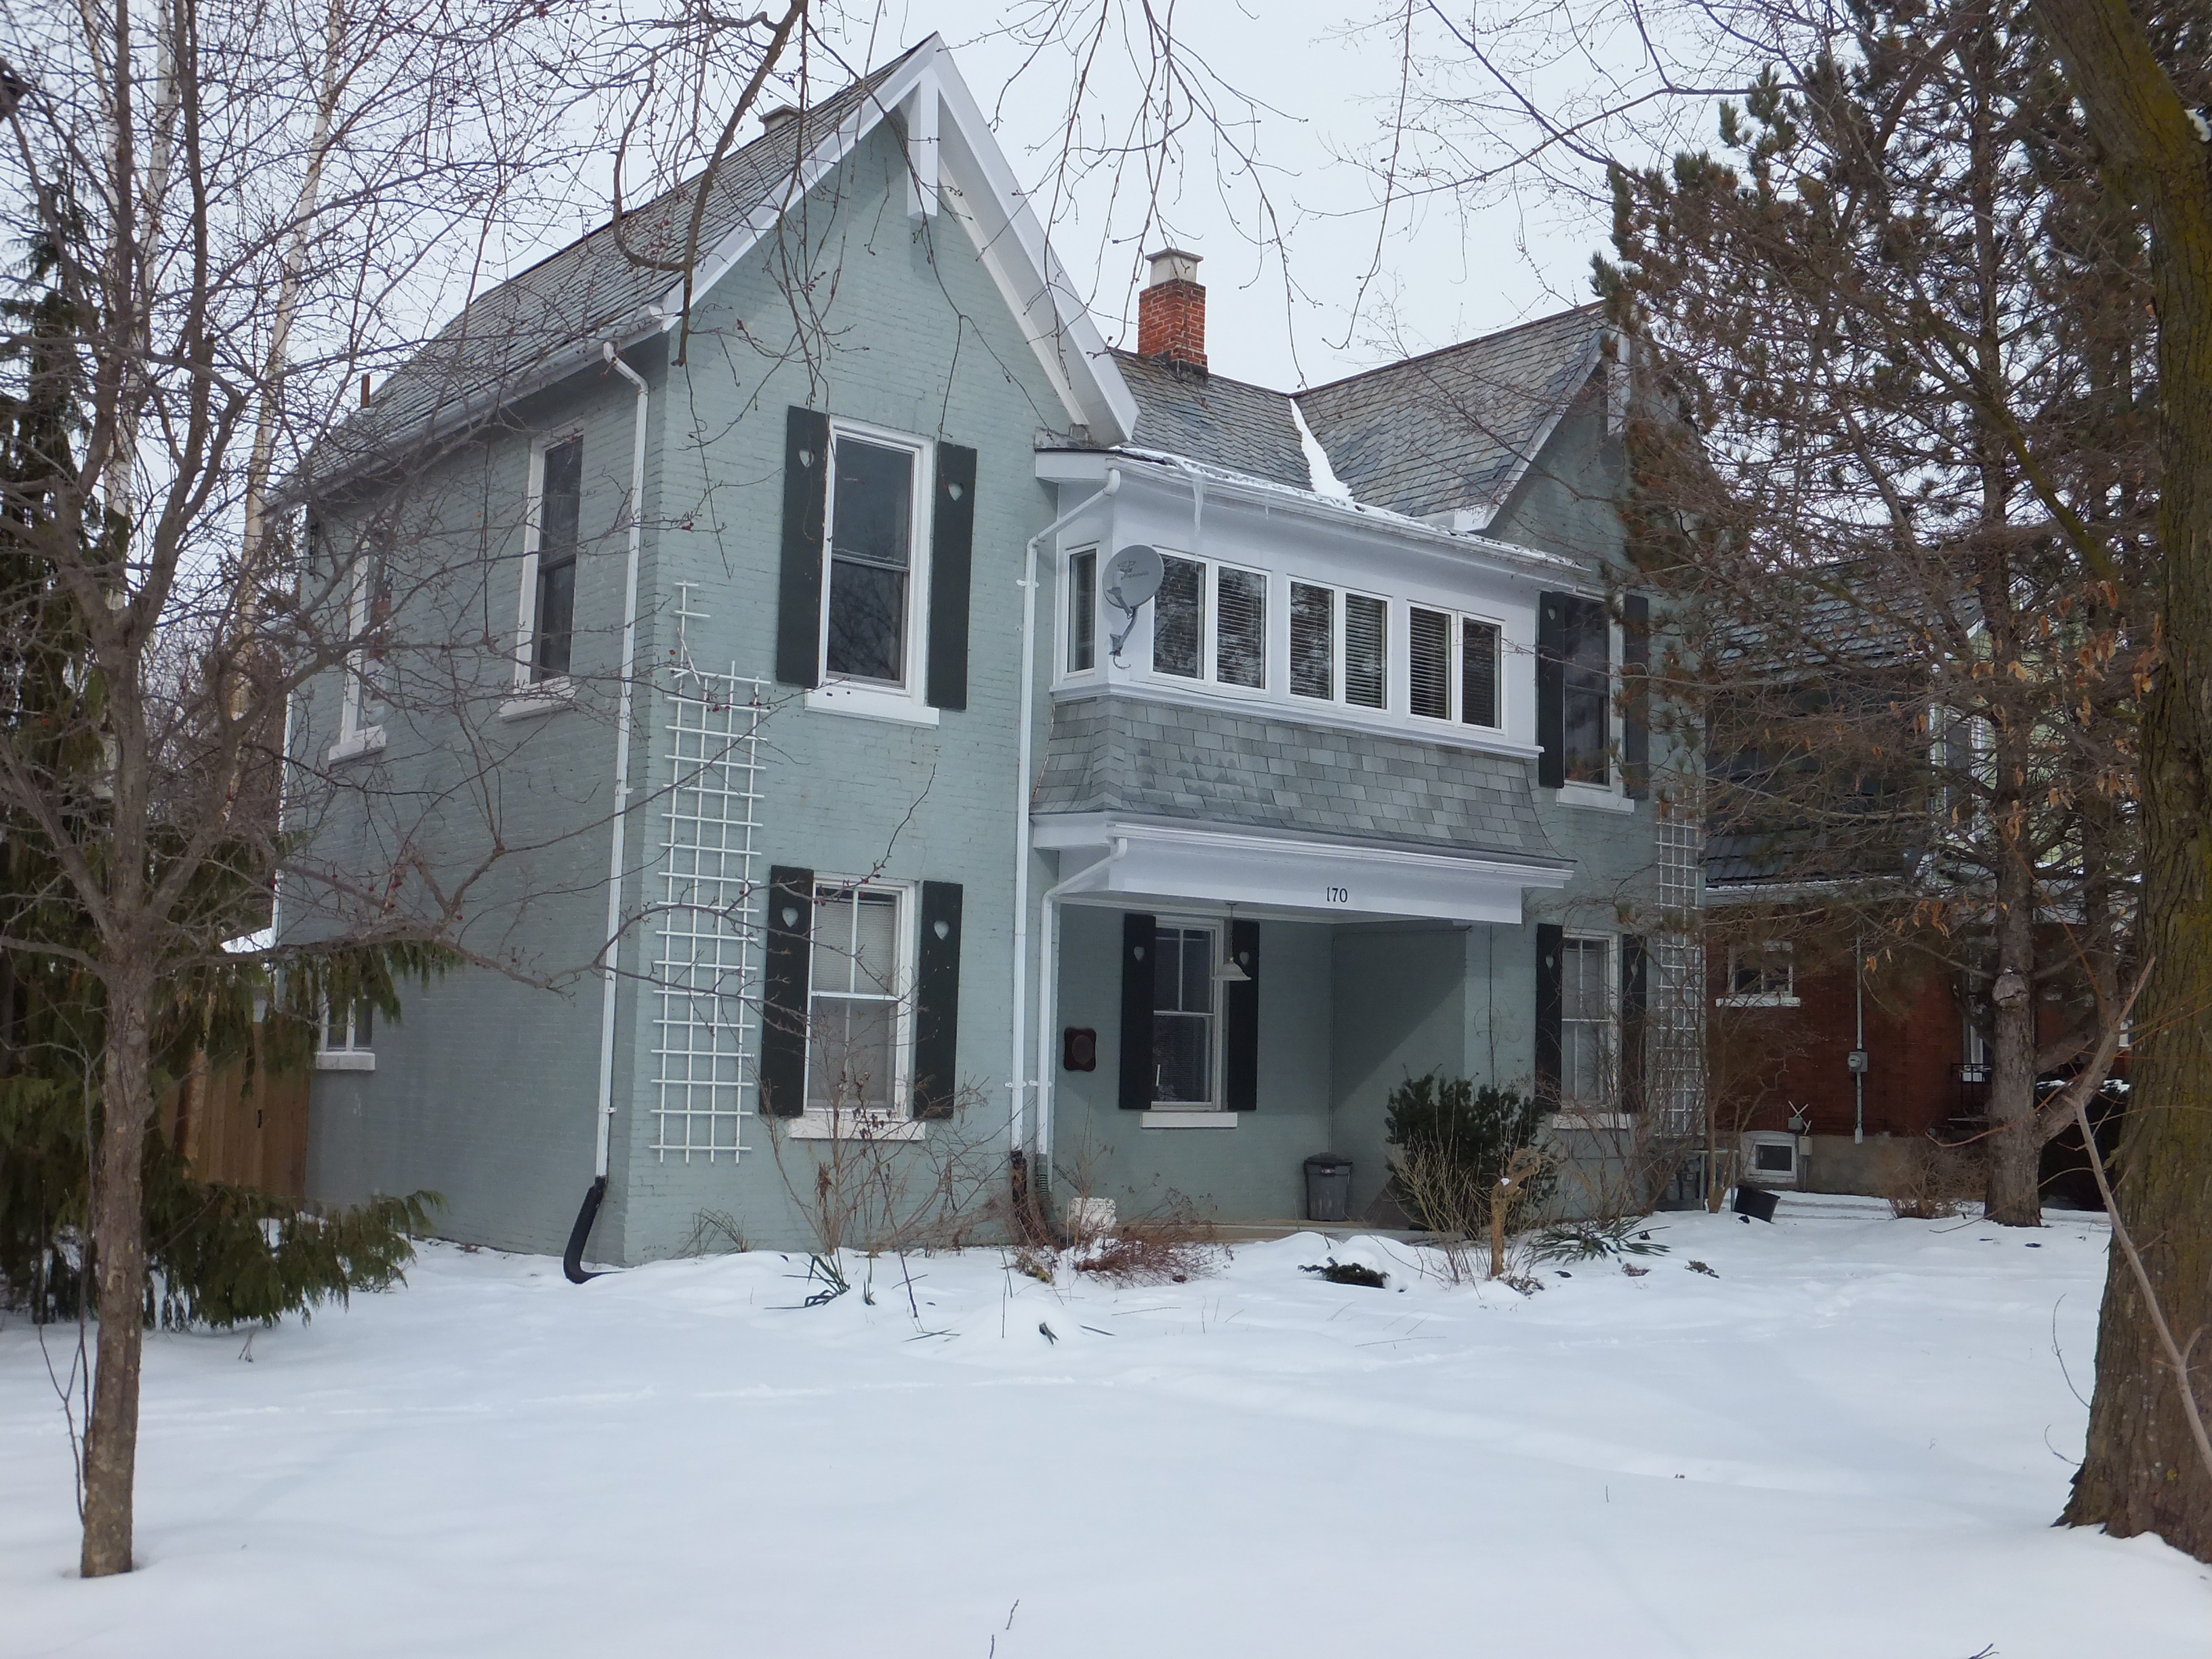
{"x":1210,"y":624}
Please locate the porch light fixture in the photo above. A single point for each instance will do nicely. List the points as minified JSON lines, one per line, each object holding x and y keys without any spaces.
{"x":1231,"y":972}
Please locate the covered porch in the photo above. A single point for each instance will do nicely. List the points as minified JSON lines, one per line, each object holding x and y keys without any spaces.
{"x":1222,"y":1001}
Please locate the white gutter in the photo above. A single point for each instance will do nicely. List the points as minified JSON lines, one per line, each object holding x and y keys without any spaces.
{"x":1048,"y":989}
{"x":606,"y":1102}
{"x":1018,"y":1077}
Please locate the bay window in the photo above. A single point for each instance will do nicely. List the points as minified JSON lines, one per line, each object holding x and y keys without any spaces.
{"x":1339,"y":646}
{"x":1210,"y":623}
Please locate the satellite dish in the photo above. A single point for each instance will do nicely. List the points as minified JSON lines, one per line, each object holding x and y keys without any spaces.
{"x":1132,"y":575}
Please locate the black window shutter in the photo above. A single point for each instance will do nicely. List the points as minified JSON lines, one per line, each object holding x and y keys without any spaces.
{"x":936,"y":1001}
{"x":1241,"y":1064}
{"x":783,"y":990}
{"x":951,"y":557}
{"x":806,"y":498}
{"x":1636,"y":695}
{"x":1635,"y":1003}
{"x":1551,"y":947}
{"x":1138,"y":938}
{"x":1551,"y":656}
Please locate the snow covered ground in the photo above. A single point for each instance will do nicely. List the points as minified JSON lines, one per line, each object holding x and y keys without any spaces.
{"x":1851,"y":1440}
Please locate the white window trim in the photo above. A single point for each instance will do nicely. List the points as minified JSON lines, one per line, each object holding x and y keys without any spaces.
{"x":1734,"y":999}
{"x":354,"y":738}
{"x":1208,"y":677}
{"x":346,"y":1057}
{"x":1100,"y":633}
{"x":1197,"y":1113}
{"x":1395,"y":668}
{"x":906,"y":701}
{"x":1571,"y":1115}
{"x":540,"y":697}
{"x":1611,"y":796}
{"x":819,"y":1123}
{"x":526,"y":625}
{"x":1755,"y":1138}
{"x":1457,"y":618}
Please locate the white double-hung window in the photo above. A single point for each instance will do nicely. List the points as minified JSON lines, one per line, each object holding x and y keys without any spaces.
{"x":859,"y":979}
{"x":546,"y":634}
{"x":1339,"y":646}
{"x":874,"y":577}
{"x":1452,"y":667}
{"x":1588,"y":1017}
{"x":347,"y":1041}
{"x":1186,"y":1018}
{"x":1210,"y":623}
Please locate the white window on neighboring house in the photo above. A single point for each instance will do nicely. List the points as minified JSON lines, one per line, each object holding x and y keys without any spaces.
{"x":547,"y":631}
{"x":1589,"y":1018}
{"x":1210,"y":623}
{"x":1186,"y":1018}
{"x":1761,"y":976}
{"x":1339,"y":646}
{"x":873,"y":575}
{"x":348,"y":1039}
{"x":1082,"y":610}
{"x":857,"y":1041}
{"x":1451,"y":667}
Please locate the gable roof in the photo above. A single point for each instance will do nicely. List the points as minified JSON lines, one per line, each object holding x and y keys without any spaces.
{"x":550,"y":319}
{"x":1456,"y":428}
{"x":1212,"y":418}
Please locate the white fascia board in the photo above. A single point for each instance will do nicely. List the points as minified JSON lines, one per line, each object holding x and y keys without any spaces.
{"x":1020,"y":258}
{"x":970,"y":174}
{"x":1223,"y":864}
{"x":1074,"y":466}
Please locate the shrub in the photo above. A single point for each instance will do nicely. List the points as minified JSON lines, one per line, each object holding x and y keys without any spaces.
{"x":1456,"y":1143}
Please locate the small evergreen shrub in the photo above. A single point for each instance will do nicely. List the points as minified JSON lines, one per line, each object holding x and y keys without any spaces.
{"x":1455,"y":1143}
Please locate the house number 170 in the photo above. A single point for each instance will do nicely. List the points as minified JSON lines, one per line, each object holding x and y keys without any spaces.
{"x":1340,"y":896}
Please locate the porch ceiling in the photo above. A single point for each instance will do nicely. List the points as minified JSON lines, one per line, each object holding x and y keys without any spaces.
{"x":1109,"y":854}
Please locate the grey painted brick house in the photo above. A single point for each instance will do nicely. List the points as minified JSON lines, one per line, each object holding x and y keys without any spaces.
{"x":803,"y":680}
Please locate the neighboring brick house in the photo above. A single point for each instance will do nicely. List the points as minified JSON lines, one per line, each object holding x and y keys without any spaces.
{"x":922,"y":823}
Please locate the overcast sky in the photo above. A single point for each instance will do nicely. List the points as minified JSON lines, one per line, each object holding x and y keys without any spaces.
{"x":1441,"y":277}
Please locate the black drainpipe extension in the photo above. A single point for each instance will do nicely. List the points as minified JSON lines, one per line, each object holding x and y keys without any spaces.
{"x":572,"y":1263}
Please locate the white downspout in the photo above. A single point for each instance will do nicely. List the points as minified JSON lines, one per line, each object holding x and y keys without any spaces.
{"x":1048,"y":989}
{"x":606,"y":1103}
{"x":1017,"y":1078}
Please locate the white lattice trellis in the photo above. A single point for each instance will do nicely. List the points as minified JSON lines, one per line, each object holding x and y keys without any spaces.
{"x":1678,"y":1003}
{"x":707,"y":966}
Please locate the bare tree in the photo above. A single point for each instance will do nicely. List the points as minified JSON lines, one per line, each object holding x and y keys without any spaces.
{"x":237,"y":210}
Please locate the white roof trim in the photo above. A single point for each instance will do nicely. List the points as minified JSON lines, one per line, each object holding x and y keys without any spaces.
{"x":1220,"y":863}
{"x":974,"y":178}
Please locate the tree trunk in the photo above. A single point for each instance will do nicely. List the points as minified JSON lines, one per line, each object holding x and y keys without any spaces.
{"x":2141,"y":1473}
{"x":119,"y":1240}
{"x":2012,"y":1195}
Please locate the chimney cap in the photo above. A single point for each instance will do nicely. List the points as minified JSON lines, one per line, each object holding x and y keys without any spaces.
{"x":776,"y":114}
{"x":1172,"y":264}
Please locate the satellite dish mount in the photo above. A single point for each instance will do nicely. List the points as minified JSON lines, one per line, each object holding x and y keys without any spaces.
{"x":1132,"y":577}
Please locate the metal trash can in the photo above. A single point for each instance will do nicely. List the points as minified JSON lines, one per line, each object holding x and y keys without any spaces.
{"x":1328,"y":1187}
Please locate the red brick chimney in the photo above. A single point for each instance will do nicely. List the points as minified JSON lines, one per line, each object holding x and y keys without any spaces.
{"x":1171,"y":311}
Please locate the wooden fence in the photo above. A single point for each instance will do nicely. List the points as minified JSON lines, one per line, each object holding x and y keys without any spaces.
{"x":252,"y":1134}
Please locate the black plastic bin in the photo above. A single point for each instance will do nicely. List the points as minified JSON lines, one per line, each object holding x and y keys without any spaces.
{"x":1328,"y":1187}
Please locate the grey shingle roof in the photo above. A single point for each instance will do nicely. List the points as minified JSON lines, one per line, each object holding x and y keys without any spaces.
{"x":1109,"y":753}
{"x":1214,"y":419}
{"x":1452,"y":428}
{"x":552,"y":316}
